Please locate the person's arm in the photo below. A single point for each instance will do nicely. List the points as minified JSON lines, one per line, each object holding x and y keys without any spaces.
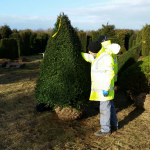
{"x":87,"y":57}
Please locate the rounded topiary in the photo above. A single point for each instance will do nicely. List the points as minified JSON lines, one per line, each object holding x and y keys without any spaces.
{"x":143,"y":101}
{"x":136,"y":79}
{"x":128,"y":58}
{"x":64,"y":77}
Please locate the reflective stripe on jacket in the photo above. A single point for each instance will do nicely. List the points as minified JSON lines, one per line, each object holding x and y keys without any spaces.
{"x":102,"y":75}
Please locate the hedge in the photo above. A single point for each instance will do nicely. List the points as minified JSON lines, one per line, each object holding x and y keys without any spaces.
{"x":129,"y":57}
{"x":5,"y":31}
{"x":43,"y":42}
{"x":25,"y":43}
{"x":146,"y":39}
{"x":9,"y":48}
{"x":136,"y":79}
{"x":139,"y":37}
{"x":108,"y":30}
{"x":95,"y":35}
{"x":132,"y":40}
{"x":83,"y":39}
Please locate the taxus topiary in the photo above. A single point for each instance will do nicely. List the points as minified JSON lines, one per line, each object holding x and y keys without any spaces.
{"x":129,"y":57}
{"x":136,"y":79}
{"x":83,"y":39}
{"x":132,"y":40}
{"x":9,"y":48}
{"x":146,"y":39}
{"x":64,"y":78}
{"x":139,"y":37}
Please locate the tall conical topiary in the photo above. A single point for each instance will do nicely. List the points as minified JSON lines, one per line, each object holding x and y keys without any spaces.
{"x":64,"y":77}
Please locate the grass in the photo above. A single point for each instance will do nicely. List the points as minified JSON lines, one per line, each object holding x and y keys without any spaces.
{"x":22,"y":128}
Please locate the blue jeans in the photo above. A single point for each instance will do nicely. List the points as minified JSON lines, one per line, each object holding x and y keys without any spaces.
{"x":108,"y":116}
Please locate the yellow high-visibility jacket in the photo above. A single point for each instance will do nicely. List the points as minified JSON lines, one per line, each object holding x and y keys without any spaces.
{"x":102,"y":75}
{"x":113,"y":49}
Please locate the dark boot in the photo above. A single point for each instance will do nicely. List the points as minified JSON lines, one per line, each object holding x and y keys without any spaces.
{"x":41,"y":107}
{"x":114,"y":128}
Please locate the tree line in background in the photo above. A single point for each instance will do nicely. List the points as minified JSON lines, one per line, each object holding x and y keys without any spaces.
{"x":14,"y":43}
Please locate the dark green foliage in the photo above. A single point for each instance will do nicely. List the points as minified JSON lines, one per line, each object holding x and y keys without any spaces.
{"x":129,"y":58}
{"x":5,"y":31}
{"x":25,"y":42}
{"x":83,"y":39}
{"x":9,"y":48}
{"x":89,"y":40}
{"x":128,"y":35}
{"x":33,"y":43}
{"x":108,"y":30}
{"x":95,"y":35}
{"x":136,"y":78}
{"x":114,"y":40}
{"x":132,"y":40}
{"x":122,"y":50}
{"x":15,"y":31}
{"x":14,"y":35}
{"x":38,"y":45}
{"x":146,"y":38}
{"x":2,"y":52}
{"x":123,"y":38}
{"x":18,"y":44}
{"x":133,"y":43}
{"x":38,"y":42}
{"x":43,"y":38}
{"x":139,"y":37}
{"x":64,"y":77}
{"x":120,"y":35}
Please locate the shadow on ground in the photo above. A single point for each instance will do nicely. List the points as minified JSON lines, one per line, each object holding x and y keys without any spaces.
{"x":121,"y":102}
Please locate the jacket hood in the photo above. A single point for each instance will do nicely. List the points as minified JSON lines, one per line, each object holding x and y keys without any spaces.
{"x":115,"y":48}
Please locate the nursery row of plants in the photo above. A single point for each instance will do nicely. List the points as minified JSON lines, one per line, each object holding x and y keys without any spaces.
{"x":14,"y":44}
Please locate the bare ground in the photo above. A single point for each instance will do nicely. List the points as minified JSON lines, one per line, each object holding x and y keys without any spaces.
{"x":22,"y":128}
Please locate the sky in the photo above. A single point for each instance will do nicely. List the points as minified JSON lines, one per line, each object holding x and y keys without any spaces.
{"x":83,"y":14}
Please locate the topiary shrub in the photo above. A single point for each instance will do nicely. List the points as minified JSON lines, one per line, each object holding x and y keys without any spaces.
{"x":108,"y":30}
{"x":127,"y":38}
{"x":95,"y":35}
{"x":64,"y":77}
{"x":122,"y":50}
{"x":25,"y":42}
{"x":43,"y":38}
{"x":128,"y":58}
{"x":83,"y":39}
{"x":9,"y":48}
{"x":132,"y":40}
{"x":136,"y":79}
{"x":15,"y":35}
{"x":5,"y":31}
{"x":139,"y":37}
{"x":146,"y":39}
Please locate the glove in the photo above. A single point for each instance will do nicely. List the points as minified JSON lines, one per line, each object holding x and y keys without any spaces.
{"x":105,"y":93}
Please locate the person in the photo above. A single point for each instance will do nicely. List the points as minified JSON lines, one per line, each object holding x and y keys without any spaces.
{"x":102,"y":87}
